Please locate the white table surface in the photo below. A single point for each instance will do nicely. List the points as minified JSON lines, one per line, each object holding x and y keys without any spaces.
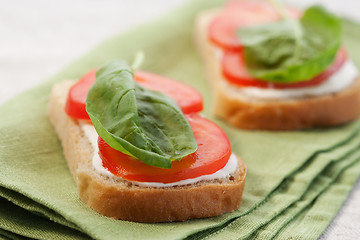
{"x":39,"y":37}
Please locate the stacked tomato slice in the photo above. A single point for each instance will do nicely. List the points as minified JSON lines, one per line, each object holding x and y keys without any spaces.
{"x":212,"y":154}
{"x":243,"y":13}
{"x":189,"y":99}
{"x":213,"y":151}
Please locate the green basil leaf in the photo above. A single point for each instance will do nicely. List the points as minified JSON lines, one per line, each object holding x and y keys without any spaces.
{"x":145,"y":124}
{"x":290,"y":50}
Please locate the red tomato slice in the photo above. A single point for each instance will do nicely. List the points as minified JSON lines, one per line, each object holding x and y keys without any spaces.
{"x":249,"y":7}
{"x":222,"y":33}
{"x":212,"y":154}
{"x":189,"y":99}
{"x":235,"y":72}
{"x":237,"y":14}
{"x":76,"y":101}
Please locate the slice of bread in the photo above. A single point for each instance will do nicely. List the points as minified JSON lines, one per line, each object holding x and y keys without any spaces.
{"x":246,"y":112}
{"x":122,"y":199}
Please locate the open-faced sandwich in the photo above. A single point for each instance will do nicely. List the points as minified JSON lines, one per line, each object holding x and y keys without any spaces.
{"x":138,"y":149}
{"x":277,"y":68}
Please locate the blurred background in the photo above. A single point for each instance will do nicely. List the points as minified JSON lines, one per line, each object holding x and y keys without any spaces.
{"x":38,"y":38}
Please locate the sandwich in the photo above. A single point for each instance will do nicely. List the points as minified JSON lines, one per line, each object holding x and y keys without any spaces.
{"x":273,"y":67}
{"x":139,"y":150}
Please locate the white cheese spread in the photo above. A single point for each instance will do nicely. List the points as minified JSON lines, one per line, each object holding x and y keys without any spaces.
{"x":337,"y":82}
{"x":340,"y":80}
{"x":91,"y":134}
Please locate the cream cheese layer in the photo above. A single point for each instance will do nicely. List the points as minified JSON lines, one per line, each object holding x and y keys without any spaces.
{"x":337,"y":82}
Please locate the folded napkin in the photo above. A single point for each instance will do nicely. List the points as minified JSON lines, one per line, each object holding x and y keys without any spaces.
{"x":296,"y":181}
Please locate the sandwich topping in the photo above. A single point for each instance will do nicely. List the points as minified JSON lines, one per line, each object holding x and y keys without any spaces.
{"x":147,"y":125}
{"x":347,"y":73}
{"x":268,"y":51}
{"x":147,"y":176}
{"x":142,"y":135}
{"x":189,"y":99}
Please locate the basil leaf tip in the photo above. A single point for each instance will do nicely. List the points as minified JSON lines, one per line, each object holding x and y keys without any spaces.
{"x":145,"y":124}
{"x":292,"y":50}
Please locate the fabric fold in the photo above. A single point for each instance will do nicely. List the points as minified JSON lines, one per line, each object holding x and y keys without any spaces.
{"x":17,"y":222}
{"x":316,"y":217}
{"x":34,"y":207}
{"x":269,"y":215}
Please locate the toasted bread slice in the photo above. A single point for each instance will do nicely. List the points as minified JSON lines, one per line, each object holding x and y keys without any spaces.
{"x":122,"y":199}
{"x":246,"y":112}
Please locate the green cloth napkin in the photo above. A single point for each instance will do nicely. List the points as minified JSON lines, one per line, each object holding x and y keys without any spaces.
{"x":296,"y":181}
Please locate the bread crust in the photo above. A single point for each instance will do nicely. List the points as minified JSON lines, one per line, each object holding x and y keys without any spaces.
{"x":284,"y":114}
{"x":121,"y":199}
